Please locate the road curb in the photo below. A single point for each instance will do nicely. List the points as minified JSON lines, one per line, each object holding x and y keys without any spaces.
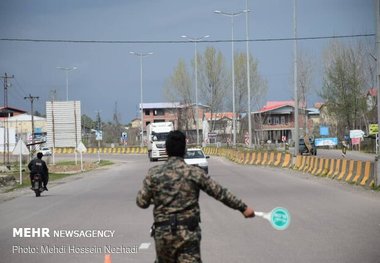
{"x":345,"y":170}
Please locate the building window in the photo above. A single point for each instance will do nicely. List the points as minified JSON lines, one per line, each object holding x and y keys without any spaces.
{"x":147,"y":112}
{"x":282,"y":119}
{"x":269,"y":121}
{"x":276,"y":120}
{"x":158,"y":112}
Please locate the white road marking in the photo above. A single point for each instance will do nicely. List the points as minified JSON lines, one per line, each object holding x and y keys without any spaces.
{"x":144,"y":246}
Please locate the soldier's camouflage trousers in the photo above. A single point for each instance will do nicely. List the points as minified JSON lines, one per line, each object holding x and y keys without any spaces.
{"x":183,"y":246}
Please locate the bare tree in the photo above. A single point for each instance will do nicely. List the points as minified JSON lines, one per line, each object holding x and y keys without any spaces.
{"x":213,"y":79}
{"x":178,"y":88}
{"x":304,"y":79}
{"x":257,"y":83}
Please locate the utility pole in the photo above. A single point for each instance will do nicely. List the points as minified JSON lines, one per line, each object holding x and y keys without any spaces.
{"x":6,"y":115}
{"x":248,"y":75}
{"x":295,"y":82}
{"x":31,"y":99}
{"x":377,"y":10}
{"x":99,"y":124}
{"x":53,"y":94}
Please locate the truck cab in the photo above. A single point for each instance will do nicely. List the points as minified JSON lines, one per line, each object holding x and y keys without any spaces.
{"x":157,"y":133}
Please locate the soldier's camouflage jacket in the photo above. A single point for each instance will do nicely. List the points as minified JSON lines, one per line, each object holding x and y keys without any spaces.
{"x":174,"y":187}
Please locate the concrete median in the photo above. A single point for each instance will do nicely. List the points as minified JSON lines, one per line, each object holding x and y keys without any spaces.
{"x":105,"y":150}
{"x":350,"y":171}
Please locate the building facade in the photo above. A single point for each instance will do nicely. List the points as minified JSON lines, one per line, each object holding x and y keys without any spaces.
{"x":275,"y":122}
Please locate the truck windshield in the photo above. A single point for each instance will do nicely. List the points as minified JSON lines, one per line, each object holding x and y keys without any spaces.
{"x":159,"y":136}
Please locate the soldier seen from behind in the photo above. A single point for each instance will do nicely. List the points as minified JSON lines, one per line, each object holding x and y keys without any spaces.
{"x":38,"y":166}
{"x":173,"y":188}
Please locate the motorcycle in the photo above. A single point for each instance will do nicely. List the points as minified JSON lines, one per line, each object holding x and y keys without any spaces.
{"x":37,"y":184}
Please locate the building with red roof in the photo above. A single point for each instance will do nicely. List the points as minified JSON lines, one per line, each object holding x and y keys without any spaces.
{"x":275,"y":121}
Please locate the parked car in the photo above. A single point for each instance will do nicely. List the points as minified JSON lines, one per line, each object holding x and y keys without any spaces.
{"x":45,"y":151}
{"x":304,"y":150}
{"x":197,"y":157}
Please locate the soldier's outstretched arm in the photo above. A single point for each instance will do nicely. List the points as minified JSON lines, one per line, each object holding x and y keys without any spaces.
{"x":214,"y":189}
{"x":249,"y":212}
{"x":144,"y":196}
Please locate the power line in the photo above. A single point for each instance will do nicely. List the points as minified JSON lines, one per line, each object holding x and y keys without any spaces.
{"x":19,"y":85}
{"x":178,"y":41}
{"x":19,"y":91}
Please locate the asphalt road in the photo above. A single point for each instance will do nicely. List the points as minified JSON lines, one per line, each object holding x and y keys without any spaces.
{"x":331,"y":222}
{"x":351,"y":155}
{"x":337,"y":154}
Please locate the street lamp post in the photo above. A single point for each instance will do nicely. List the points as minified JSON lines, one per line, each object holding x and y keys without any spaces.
{"x":141,"y":55}
{"x":295,"y":81}
{"x":195,"y":40}
{"x":67,"y":70}
{"x":377,"y":7}
{"x":232,"y":15}
{"x":248,"y":76}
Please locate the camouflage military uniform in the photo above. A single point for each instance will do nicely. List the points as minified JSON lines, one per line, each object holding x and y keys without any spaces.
{"x":173,"y":188}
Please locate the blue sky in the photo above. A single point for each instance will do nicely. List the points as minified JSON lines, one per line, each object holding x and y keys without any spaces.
{"x":107,"y":73}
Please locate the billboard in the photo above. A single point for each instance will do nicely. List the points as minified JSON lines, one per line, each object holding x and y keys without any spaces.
{"x":63,"y":121}
{"x":324,"y":131}
{"x":7,"y":139}
{"x":326,"y":142}
{"x":356,"y":134}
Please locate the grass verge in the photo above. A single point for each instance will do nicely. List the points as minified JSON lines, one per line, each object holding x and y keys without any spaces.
{"x":60,"y":170}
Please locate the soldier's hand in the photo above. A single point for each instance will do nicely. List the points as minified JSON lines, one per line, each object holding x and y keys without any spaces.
{"x":249,"y":212}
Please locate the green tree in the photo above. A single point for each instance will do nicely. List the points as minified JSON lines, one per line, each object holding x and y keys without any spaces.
{"x":87,"y":125}
{"x":112,"y":130}
{"x":87,"y":122}
{"x":344,"y":85}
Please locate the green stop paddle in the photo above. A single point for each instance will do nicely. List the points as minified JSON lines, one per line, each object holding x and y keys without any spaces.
{"x":279,"y":217}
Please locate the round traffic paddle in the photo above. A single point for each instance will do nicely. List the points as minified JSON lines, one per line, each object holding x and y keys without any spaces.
{"x":279,"y":217}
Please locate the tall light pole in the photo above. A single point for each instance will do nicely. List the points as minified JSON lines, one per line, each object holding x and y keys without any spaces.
{"x":141,"y":55}
{"x":67,"y":70}
{"x":295,"y":81}
{"x":377,"y":8}
{"x":195,"y":40}
{"x":232,"y":15}
{"x":248,"y":75}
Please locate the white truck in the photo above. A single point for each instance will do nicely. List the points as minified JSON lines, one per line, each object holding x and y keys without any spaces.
{"x":157,"y":133}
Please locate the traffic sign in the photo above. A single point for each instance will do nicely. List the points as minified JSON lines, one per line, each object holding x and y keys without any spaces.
{"x":356,"y":134}
{"x":373,"y":129}
{"x":20,"y":148}
{"x":81,"y":148}
{"x":278,"y":217}
{"x":99,"y":135}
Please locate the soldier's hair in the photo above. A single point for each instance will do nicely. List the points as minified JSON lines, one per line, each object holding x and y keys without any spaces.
{"x":39,"y":155}
{"x":176,"y":144}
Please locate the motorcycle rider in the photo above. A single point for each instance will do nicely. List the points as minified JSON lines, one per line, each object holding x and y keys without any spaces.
{"x":38,"y":166}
